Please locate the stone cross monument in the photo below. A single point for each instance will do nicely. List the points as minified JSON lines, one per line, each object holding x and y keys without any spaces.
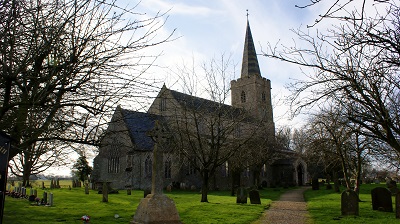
{"x":158,"y":135}
{"x":157,"y":207}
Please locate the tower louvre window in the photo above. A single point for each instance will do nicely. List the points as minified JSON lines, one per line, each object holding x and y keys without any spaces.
{"x":243,"y":97}
{"x":163,"y":104}
{"x":263,"y":97}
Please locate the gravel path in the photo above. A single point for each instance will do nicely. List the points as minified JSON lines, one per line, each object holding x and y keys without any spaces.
{"x":289,"y":209}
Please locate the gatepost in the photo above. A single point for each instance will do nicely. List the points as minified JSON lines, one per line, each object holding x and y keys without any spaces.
{"x":4,"y":151}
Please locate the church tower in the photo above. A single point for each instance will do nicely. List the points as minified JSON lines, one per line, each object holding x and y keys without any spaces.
{"x":251,"y":91}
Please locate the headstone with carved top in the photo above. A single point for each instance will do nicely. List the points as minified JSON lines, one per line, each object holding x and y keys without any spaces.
{"x":157,"y":207}
{"x":349,"y":203}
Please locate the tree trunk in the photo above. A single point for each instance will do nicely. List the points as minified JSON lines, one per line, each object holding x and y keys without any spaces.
{"x":204,"y":187}
{"x":235,"y":182}
{"x":346,"y":176}
{"x":336,"y":184}
{"x":256,"y":179}
{"x":358,"y":169}
{"x":25,"y":175}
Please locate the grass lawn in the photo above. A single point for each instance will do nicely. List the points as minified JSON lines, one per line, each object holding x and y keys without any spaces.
{"x":324,"y":207}
{"x":71,"y":205}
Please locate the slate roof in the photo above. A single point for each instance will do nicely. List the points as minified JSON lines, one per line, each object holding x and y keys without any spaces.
{"x":138,"y":124}
{"x":250,"y":65}
{"x":208,"y":106}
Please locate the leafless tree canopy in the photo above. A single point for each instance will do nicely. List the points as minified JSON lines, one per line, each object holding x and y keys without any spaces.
{"x":65,"y":64}
{"x":209,"y":133}
{"x":356,"y":66}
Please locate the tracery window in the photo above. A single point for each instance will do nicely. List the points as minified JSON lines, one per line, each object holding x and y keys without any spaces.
{"x":113,"y":159}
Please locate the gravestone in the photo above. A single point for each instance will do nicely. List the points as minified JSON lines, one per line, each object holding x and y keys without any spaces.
{"x":349,"y":203}
{"x":315,"y":184}
{"x":52,"y":184}
{"x":157,"y":207}
{"x":58,"y":183}
{"x":241,"y":195}
{"x":43,"y":185}
{"x":129,"y":191}
{"x":381,"y":199}
{"x":51,"y":199}
{"x":86,"y":188}
{"x":169,"y":188}
{"x":30,"y":191}
{"x":105,"y":192}
{"x":44,"y":197}
{"x":254,"y":196}
{"x":35,"y":193}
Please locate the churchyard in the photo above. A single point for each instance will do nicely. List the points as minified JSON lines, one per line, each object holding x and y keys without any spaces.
{"x":70,"y":205}
{"x":324,"y":207}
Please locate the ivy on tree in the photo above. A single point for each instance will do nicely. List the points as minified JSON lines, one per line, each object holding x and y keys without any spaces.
{"x":81,"y":168}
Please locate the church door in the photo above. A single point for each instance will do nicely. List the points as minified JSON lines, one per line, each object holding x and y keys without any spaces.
{"x":300,"y":175}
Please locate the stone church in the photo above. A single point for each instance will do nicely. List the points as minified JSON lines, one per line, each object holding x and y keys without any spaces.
{"x":125,"y":154}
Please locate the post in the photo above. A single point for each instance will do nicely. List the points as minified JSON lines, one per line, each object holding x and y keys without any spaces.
{"x":86,"y":188}
{"x":5,"y":142}
{"x":105,"y":192}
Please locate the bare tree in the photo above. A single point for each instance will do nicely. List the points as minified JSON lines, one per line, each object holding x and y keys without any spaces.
{"x":66,"y":64}
{"x":38,"y":158}
{"x":341,"y":141}
{"x":335,"y":8}
{"x":208,"y":133}
{"x":355,"y":66}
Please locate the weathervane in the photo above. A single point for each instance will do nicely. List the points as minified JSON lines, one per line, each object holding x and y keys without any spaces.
{"x":247,"y":14}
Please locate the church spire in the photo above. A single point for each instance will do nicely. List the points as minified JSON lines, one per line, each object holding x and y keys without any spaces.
{"x":249,"y":63}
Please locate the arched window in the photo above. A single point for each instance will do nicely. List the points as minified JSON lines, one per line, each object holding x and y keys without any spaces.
{"x":243,"y":97}
{"x":113,"y":158}
{"x":148,"y":166}
{"x":264,"y":170}
{"x":167,"y":168}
